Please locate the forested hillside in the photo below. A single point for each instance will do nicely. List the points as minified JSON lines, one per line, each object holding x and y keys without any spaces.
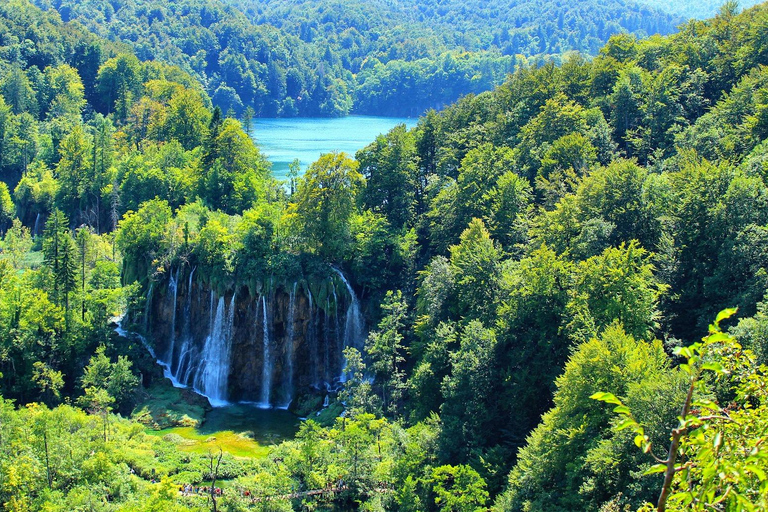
{"x":333,"y":58}
{"x":520,"y":258}
{"x":700,"y":9}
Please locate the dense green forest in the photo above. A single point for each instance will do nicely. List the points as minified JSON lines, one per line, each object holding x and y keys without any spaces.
{"x":333,"y":58}
{"x":700,"y":9}
{"x":528,"y":259}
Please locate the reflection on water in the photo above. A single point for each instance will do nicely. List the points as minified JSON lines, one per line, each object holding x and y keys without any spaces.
{"x":306,"y":138}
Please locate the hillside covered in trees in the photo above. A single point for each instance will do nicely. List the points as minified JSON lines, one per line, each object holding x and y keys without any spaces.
{"x":522,"y":259}
{"x":700,"y":9}
{"x":333,"y":58}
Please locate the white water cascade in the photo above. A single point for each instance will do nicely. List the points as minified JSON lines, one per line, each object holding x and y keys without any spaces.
{"x":147,"y":305}
{"x":266,"y":368}
{"x":288,"y":380}
{"x":354,"y":324}
{"x":183,"y":362}
{"x":173,"y":289}
{"x":312,"y":341}
{"x":213,"y":372}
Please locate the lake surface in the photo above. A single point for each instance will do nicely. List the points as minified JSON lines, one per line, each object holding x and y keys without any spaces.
{"x":306,"y":138}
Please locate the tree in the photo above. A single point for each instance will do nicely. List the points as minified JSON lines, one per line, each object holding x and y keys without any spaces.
{"x":118,"y":79}
{"x":356,"y":393}
{"x":114,"y":378}
{"x":66,"y":96}
{"x":389,"y":167}
{"x":98,"y":401}
{"x":324,"y":203}
{"x":187,"y":118}
{"x":721,"y":444}
{"x":475,"y":263}
{"x":49,"y":381}
{"x":75,"y":180}
{"x":17,"y":243}
{"x":469,"y":393}
{"x":7,"y":208}
{"x":574,"y":459}
{"x":234,"y":170}
{"x":17,"y":91}
{"x":458,"y":489}
{"x":385,"y":349}
{"x":59,"y":253}
{"x":83,"y":235}
{"x":617,"y":285}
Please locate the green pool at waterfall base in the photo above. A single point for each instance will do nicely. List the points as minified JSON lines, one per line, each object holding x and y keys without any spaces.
{"x":240,"y":430}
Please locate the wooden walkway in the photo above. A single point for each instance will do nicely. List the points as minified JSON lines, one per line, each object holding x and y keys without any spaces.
{"x":328,"y":491}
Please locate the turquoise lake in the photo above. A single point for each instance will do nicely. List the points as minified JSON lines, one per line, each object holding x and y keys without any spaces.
{"x":306,"y":138}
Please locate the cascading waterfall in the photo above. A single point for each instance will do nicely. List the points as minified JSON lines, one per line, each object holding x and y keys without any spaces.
{"x":266,"y":370}
{"x":354,"y":324}
{"x":35,"y":232}
{"x":312,"y":342}
{"x":336,"y":330}
{"x":202,"y":356}
{"x":183,"y":361}
{"x":326,"y":345}
{"x":147,"y":304}
{"x":288,"y":379}
{"x":173,"y":289}
{"x":212,"y":374}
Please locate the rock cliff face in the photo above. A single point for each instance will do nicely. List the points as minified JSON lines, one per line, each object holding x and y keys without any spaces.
{"x":262,"y":348}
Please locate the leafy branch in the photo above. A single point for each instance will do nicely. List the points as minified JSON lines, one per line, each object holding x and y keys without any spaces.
{"x":709,"y":473}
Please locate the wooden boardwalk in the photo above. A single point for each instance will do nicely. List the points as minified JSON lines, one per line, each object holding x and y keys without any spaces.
{"x":328,"y":491}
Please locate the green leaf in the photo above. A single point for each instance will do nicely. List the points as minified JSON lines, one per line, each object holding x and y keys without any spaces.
{"x":726,"y":313}
{"x":626,"y":423}
{"x":639,"y":438}
{"x":609,"y":398}
{"x":760,"y":473}
{"x":622,"y":409}
{"x":718,"y":337}
{"x":714,"y":366}
{"x":657,"y":468}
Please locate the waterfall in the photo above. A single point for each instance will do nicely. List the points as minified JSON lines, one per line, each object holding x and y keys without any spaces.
{"x":166,"y":369}
{"x":184,"y":359}
{"x":337,"y":344}
{"x":354,"y":324}
{"x":37,"y":222}
{"x":212,"y":374}
{"x":312,"y":342}
{"x":326,"y":342}
{"x":147,"y":304}
{"x":290,"y":331}
{"x":173,"y":288}
{"x":266,"y":369}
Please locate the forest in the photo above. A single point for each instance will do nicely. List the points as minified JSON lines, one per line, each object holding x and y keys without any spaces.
{"x":563,"y":281}
{"x":331,"y":58}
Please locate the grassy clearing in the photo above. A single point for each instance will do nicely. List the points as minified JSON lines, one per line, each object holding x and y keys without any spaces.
{"x":189,"y":439}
